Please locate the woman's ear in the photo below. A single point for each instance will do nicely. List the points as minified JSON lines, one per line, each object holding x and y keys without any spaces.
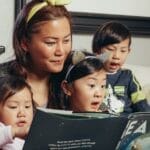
{"x":66,"y":88}
{"x":24,"y":44}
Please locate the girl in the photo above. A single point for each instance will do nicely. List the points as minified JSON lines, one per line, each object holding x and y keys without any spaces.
{"x":84,"y":83}
{"x":16,"y":112}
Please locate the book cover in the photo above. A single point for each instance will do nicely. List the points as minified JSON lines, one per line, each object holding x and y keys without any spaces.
{"x":52,"y":130}
{"x":136,"y":135}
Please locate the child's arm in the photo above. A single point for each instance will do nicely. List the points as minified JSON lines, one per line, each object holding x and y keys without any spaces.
{"x":141,"y":106}
{"x":5,"y":135}
{"x":19,"y":132}
{"x":138,"y":98}
{"x":8,"y":133}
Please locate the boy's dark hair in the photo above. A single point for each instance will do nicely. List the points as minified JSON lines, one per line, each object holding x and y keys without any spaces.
{"x":110,"y":33}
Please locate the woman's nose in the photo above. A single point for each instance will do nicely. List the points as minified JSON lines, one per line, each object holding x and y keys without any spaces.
{"x":59,"y":48}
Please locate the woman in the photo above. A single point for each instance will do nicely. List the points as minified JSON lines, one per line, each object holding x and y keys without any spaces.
{"x":42,"y":39}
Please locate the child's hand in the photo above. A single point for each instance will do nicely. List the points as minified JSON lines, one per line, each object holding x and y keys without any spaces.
{"x":20,"y":132}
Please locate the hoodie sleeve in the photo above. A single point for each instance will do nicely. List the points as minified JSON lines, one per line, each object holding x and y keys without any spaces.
{"x":5,"y":135}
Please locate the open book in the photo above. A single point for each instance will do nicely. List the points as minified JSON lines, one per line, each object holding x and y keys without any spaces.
{"x":65,"y":130}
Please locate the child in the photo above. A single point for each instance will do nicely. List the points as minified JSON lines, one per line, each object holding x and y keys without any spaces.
{"x":84,"y":84}
{"x":16,"y":112}
{"x":124,"y":91}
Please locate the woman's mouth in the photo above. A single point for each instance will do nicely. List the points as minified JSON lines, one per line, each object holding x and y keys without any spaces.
{"x":57,"y":62}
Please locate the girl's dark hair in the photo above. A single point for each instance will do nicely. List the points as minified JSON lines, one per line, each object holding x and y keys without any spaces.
{"x":24,"y":30}
{"x":83,"y":68}
{"x":10,"y":85}
{"x":110,"y":33}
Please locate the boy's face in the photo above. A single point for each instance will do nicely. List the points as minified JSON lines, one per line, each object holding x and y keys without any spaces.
{"x":118,"y":55}
{"x":17,"y":110}
{"x":88,"y":92}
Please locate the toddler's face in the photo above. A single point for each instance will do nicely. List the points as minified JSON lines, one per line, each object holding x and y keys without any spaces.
{"x":17,"y":110}
{"x":119,"y":53}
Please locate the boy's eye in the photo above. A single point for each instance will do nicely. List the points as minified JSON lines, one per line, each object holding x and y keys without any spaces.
{"x":110,"y":49}
{"x":123,"y":51}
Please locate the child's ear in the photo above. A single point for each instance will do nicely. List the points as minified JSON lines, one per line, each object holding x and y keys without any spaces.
{"x":66,"y":88}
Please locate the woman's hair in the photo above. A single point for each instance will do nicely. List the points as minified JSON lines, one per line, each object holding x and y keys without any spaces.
{"x":10,"y":85}
{"x":78,"y":64}
{"x":28,"y":22}
{"x":110,"y":33}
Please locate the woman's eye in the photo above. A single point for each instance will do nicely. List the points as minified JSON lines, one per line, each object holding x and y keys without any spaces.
{"x":66,"y":41}
{"x":50,"y":43}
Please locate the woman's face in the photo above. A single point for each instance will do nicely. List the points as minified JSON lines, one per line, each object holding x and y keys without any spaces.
{"x":50,"y":46}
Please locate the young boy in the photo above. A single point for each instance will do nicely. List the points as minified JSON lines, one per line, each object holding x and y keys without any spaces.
{"x":16,"y":112}
{"x":124,"y":91}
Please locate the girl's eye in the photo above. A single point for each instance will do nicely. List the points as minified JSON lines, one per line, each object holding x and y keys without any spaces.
{"x":103,"y":86}
{"x":12,"y":107}
{"x":28,"y":106}
{"x":92,"y":85}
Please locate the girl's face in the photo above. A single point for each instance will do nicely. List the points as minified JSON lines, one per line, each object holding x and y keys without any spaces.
{"x":50,"y":46}
{"x":87,"y":93}
{"x":17,"y":110}
{"x":119,"y":53}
